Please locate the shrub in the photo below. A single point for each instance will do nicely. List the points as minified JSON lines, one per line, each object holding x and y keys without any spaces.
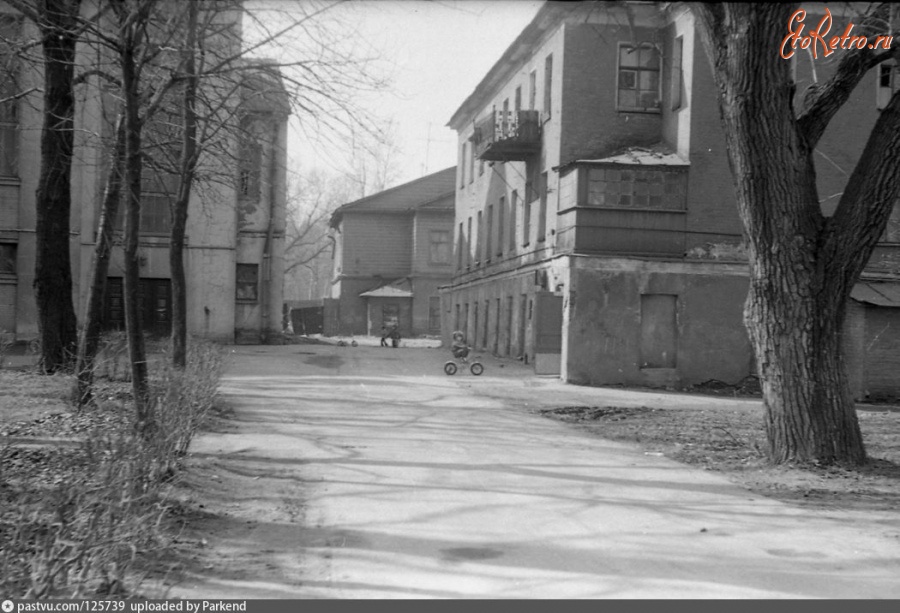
{"x":74,"y":519}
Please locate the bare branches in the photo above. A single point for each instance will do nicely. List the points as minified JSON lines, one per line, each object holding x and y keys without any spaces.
{"x":822,"y":102}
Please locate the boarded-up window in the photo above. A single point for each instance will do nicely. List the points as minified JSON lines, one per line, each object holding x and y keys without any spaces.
{"x":247,"y":283}
{"x":659,"y":334}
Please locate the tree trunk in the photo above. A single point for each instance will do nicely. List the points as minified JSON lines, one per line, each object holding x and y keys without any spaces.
{"x":188,"y":165}
{"x":53,"y":267}
{"x":93,"y":318}
{"x":133,"y":165}
{"x":803,"y":265}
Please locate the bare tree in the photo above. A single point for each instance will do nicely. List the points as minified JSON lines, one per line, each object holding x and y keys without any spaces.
{"x":803,"y":264}
{"x":59,"y":24}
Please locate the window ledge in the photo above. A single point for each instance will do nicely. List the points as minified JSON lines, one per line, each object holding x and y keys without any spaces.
{"x":11,"y":181}
{"x":639,"y":110}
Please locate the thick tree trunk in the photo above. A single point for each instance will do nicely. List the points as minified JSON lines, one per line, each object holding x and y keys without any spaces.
{"x":810,"y":413}
{"x":53,"y":267}
{"x":93,"y":318}
{"x":188,"y":165}
{"x":802,"y":264}
{"x":133,"y":165}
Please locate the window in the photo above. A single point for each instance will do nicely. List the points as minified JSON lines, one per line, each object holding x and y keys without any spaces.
{"x":526,"y":223}
{"x":456,"y":320}
{"x":479,"y":230}
{"x":439,"y":247}
{"x":542,"y":210}
{"x":501,"y":213}
{"x":891,"y":232}
{"x":506,"y":122}
{"x":155,"y":214}
{"x":154,"y":302}
{"x":7,"y":258}
{"x":489,"y":231}
{"x":629,"y":187}
{"x":460,"y":247}
{"x":888,"y":83}
{"x":247,"y":283}
{"x":434,"y":314}
{"x":462,"y":165}
{"x":548,"y":81}
{"x":532,"y":89}
{"x":470,"y":148}
{"x":677,"y":78}
{"x":638,"y":87}
{"x":513,"y":212}
{"x":518,"y":100}
{"x":9,"y":110}
{"x":469,"y":245}
{"x":249,"y":164}
{"x":487,"y":318}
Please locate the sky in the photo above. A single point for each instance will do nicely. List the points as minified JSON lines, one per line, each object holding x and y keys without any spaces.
{"x":436,"y":53}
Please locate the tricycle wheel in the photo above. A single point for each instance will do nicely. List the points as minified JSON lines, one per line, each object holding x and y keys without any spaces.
{"x":450,"y":368}
{"x":476,"y":368}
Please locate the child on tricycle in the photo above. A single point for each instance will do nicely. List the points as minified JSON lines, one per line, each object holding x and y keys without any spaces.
{"x":460,"y":351}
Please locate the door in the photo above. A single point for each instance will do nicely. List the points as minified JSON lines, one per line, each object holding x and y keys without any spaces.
{"x":155,"y":303}
{"x":547,"y":333}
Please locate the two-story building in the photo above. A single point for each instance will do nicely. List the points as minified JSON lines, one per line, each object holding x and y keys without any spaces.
{"x":596,"y":229}
{"x":393,"y":250}
{"x":235,"y":229}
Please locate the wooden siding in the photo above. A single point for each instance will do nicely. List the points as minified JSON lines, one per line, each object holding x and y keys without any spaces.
{"x":377,"y":244}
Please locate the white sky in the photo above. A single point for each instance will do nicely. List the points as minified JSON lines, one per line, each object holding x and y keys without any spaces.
{"x":439,"y":50}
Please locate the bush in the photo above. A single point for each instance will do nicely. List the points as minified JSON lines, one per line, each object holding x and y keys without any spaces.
{"x":74,"y":519}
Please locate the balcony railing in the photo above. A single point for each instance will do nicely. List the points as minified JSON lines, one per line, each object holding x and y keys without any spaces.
{"x":505,"y":136}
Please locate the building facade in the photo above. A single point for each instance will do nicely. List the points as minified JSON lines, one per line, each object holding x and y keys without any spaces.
{"x":393,"y":250}
{"x":235,"y":229}
{"x":596,"y":232}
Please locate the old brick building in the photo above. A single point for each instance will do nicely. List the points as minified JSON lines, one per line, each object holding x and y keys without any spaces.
{"x":393,"y":250}
{"x":596,"y":231}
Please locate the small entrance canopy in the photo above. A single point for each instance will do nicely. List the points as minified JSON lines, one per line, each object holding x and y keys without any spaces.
{"x":394,"y":290}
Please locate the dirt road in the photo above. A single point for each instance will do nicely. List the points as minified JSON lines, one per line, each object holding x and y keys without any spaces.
{"x":366,"y":473}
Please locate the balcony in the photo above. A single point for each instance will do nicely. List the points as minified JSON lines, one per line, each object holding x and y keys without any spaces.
{"x":505,"y":136}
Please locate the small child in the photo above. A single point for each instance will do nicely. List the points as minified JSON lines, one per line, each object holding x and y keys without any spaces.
{"x":459,"y":348}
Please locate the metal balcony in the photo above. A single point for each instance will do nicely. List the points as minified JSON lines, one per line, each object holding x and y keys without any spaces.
{"x":505,"y":136}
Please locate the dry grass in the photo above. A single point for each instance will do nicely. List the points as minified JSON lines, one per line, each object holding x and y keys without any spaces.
{"x":83,"y":499}
{"x":731,"y":440}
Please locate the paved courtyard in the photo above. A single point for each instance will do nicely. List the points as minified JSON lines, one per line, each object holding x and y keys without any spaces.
{"x":362,"y":472}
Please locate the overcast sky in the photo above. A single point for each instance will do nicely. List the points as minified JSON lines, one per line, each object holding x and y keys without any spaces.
{"x":438,"y":52}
